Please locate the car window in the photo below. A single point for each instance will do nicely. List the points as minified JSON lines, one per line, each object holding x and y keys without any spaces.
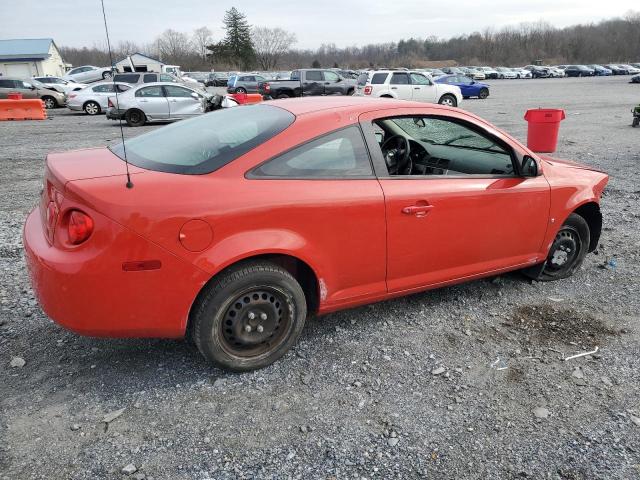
{"x":149,"y":78}
{"x":464,"y":80}
{"x":454,"y":148}
{"x":123,"y":88}
{"x":103,"y":88}
{"x":331,"y":76}
{"x":418,"y":79}
{"x":208,"y":142}
{"x":379,"y":78}
{"x":166,"y":78}
{"x":127,"y":77}
{"x":175,"y":91}
{"x":260,"y":79}
{"x":155,"y":91}
{"x":21,"y":84}
{"x":339,"y":154}
{"x":314,"y":76}
{"x":400,"y":79}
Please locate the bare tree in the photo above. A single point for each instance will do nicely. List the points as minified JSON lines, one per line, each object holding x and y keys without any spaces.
{"x":174,"y":46}
{"x":270,"y":44}
{"x":201,"y":38}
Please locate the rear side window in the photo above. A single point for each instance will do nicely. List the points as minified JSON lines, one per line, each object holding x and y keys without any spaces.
{"x":127,"y":77}
{"x":149,"y":78}
{"x":7,"y":84}
{"x":103,"y":88}
{"x":206,"y":143}
{"x":166,"y":78}
{"x":379,"y":78}
{"x":400,"y":79}
{"x":314,"y":76}
{"x":339,"y":154}
{"x":155,"y":91}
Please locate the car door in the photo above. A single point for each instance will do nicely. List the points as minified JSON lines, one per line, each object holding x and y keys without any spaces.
{"x":313,"y":83}
{"x":6,"y":87}
{"x":101,"y":93}
{"x":333,"y":84}
{"x":424,"y":89}
{"x":464,"y":210}
{"x":400,"y":85}
{"x":152,"y":102}
{"x":27,"y":90}
{"x":183,"y":103}
{"x":465,"y":84}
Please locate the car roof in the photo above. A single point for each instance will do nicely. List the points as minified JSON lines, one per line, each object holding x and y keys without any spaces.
{"x":355,"y":105}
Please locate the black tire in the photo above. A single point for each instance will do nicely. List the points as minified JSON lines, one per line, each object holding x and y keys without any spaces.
{"x":241,"y":90}
{"x":135,"y":118}
{"x":91,"y":108}
{"x":351,"y":92}
{"x":107,"y":75}
{"x":566,"y":253}
{"x":49,"y":102}
{"x":636,"y":122}
{"x":283,"y":95}
{"x":386,"y":96}
{"x":484,"y":93}
{"x":448,"y":100}
{"x":226,"y":320}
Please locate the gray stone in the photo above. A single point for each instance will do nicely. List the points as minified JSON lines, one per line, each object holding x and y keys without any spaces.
{"x":541,"y":412}
{"x":438,"y":371}
{"x":111,"y":416}
{"x":17,"y":362}
{"x":129,"y":469}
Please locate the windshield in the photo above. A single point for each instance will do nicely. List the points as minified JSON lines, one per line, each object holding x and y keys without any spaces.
{"x":208,"y":142}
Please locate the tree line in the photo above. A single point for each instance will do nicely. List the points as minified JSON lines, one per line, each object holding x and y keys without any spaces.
{"x":247,"y":47}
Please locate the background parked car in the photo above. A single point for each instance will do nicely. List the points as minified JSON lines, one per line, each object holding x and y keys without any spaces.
{"x":537,"y":71}
{"x":617,"y":69}
{"x":244,"y":83}
{"x":410,"y":85}
{"x":94,"y":99}
{"x":308,"y":82}
{"x":32,"y":89}
{"x":157,"y":102}
{"x":138,"y":78}
{"x":578,"y":71}
{"x":555,"y":72}
{"x":217,"y":79}
{"x":452,"y":70}
{"x":600,"y":71}
{"x":468,"y":87}
{"x":504,"y":72}
{"x":60,"y":84}
{"x":88,"y":73}
{"x":521,"y":72}
{"x":489,"y":72}
{"x":631,"y":70}
{"x":635,"y":79}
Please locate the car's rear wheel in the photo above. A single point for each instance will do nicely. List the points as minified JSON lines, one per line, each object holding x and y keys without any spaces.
{"x":135,"y":118}
{"x":249,"y":317}
{"x":107,"y":76}
{"x":241,"y":90}
{"x":283,"y":95}
{"x":92,"y":108}
{"x":448,"y":100}
{"x":567,"y":251}
{"x":484,"y":93}
{"x":49,"y":102}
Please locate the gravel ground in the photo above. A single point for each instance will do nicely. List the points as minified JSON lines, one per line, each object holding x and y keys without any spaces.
{"x":461,"y":382}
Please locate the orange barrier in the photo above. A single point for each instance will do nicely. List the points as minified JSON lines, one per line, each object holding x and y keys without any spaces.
{"x":245,"y":98}
{"x":22,"y":110}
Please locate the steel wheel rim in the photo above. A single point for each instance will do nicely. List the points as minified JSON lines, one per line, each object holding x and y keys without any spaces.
{"x":48,"y":103}
{"x":565,"y":250}
{"x":256,"y":322}
{"x":91,"y":108}
{"x":135,"y":117}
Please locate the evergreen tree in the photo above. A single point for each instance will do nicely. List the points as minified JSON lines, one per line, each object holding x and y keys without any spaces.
{"x":237,"y":47}
{"x":315,"y":64}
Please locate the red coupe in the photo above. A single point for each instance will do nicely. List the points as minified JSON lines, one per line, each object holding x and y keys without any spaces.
{"x":243,"y":221}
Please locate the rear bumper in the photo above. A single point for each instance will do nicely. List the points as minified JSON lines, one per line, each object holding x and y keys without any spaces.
{"x":86,"y":290}
{"x":114,"y":114}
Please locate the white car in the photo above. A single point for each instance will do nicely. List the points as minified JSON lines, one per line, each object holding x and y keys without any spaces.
{"x":89,"y":73}
{"x":161,"y":101}
{"x":522,"y":73}
{"x":504,"y":72}
{"x":489,"y":72}
{"x":95,"y":98}
{"x":407,"y":85}
{"x":555,"y":72}
{"x":60,"y":84}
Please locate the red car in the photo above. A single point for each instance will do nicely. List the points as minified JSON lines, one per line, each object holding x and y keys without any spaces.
{"x":243,"y":221}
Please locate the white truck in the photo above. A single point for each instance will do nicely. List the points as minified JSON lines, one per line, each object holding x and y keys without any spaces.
{"x":407,"y":85}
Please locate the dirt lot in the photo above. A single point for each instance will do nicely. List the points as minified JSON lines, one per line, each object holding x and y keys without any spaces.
{"x":462,"y":382}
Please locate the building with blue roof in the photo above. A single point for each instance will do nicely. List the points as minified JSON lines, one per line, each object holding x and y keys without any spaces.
{"x":30,"y":57}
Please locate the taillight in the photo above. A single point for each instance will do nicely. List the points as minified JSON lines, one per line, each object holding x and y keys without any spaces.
{"x":72,"y":95}
{"x":267,"y":87}
{"x":368,"y":90}
{"x":80,"y":227}
{"x":109,"y":103}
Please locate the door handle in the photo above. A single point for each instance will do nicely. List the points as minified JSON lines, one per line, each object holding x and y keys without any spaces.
{"x":143,"y":101}
{"x":416,"y":88}
{"x":394,"y":88}
{"x":418,"y":210}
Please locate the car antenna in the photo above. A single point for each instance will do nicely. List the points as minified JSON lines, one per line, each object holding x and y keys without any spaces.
{"x":115,"y":89}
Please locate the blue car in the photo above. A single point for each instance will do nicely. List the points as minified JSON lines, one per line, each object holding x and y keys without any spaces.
{"x":600,"y":70}
{"x":468,"y":87}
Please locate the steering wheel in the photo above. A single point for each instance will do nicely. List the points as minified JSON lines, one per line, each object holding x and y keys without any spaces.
{"x":396,"y":152}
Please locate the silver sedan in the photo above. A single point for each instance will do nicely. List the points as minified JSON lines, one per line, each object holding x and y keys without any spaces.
{"x":161,"y":101}
{"x":94,"y":99}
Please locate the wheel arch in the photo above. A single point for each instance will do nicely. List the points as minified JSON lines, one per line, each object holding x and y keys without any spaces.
{"x":590,"y":211}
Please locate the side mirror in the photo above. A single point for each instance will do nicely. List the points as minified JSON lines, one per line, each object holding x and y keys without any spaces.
{"x":419,"y":122}
{"x":379,"y":137}
{"x":529,"y":167}
{"x":195,"y":95}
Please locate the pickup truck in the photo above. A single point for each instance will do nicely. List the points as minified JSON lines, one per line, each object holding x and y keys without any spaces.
{"x":308,"y":82}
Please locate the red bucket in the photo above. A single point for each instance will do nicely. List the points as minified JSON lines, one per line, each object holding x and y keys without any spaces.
{"x":544,"y":125}
{"x":14,"y":96}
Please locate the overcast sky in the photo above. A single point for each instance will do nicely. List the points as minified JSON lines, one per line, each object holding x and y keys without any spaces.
{"x":343,"y":22}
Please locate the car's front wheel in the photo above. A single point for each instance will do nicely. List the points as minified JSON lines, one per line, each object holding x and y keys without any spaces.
{"x":249,"y":317}
{"x":484,"y":93}
{"x":91,"y":108}
{"x":567,"y":251}
{"x":448,"y":100}
{"x":135,"y":118}
{"x":49,"y":102}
